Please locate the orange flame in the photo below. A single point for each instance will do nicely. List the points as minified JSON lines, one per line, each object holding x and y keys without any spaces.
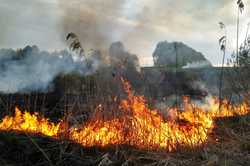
{"x":138,"y":126}
{"x":26,"y":122}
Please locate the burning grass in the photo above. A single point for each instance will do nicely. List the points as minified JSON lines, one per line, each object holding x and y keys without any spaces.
{"x":136,"y":125}
{"x":228,"y":144}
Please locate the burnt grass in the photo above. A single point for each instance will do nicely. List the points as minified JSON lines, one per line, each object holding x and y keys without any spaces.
{"x":228,"y":144}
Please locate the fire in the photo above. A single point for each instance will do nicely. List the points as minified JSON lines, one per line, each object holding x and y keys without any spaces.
{"x":26,"y":122}
{"x":145,"y":128}
{"x":137,"y":125}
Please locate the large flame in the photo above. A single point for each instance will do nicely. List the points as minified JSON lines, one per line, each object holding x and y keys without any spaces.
{"x":137,"y":125}
{"x":30,"y":123}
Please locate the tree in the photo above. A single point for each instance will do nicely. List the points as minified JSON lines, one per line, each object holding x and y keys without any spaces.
{"x":240,"y":10}
{"x":223,"y":44}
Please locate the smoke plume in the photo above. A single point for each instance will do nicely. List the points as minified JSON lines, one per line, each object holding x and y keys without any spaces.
{"x":199,"y":64}
{"x":30,"y":69}
{"x":94,"y":28}
{"x":120,"y":58}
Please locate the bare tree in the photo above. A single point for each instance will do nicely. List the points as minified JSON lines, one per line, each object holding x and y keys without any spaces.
{"x":241,"y":7}
{"x":223,"y":44}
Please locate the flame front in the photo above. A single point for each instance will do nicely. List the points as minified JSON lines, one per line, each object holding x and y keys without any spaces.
{"x":138,"y":126}
{"x":30,"y":123}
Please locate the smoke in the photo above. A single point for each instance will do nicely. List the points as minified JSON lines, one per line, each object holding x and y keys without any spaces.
{"x":207,"y":81}
{"x":30,"y":69}
{"x":100,"y":23}
{"x":95,"y":27}
{"x":120,"y":58}
{"x":200,"y":64}
{"x":141,"y":23}
{"x":137,"y":23}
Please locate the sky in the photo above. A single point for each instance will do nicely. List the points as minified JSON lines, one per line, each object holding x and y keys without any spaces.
{"x":139,"y":24}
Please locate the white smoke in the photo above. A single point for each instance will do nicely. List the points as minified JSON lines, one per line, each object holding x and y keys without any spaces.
{"x":33,"y":70}
{"x":199,"y":64}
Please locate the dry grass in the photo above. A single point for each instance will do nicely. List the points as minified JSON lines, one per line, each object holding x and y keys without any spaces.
{"x":229,"y":145}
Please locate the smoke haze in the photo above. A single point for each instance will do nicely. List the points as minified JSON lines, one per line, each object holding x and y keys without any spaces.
{"x":30,"y":69}
{"x":140,"y":24}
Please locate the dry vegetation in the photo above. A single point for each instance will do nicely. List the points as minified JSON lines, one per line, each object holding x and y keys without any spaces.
{"x":229,"y":145}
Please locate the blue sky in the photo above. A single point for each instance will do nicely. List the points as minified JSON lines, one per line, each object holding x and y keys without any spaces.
{"x":139,"y":24}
